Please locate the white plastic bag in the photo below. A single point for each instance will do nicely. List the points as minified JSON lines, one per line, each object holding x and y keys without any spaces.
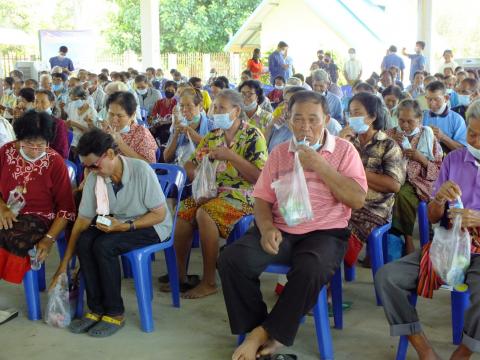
{"x":204,"y":186}
{"x":185,"y":151}
{"x":450,"y":253}
{"x":57,"y":313}
{"x":293,"y":197}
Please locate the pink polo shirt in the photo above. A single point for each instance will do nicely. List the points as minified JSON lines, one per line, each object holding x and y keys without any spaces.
{"x":328,"y":213}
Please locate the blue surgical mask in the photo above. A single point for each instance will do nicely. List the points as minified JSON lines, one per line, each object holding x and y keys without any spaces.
{"x":412,"y":133}
{"x":251,"y":107}
{"x":125,"y":129}
{"x":474,"y":151}
{"x":279,"y":87}
{"x":29,"y":159}
{"x":463,"y":100}
{"x":195,"y":120}
{"x":57,"y":87}
{"x":222,"y":121}
{"x":304,"y":142}
{"x":449,"y":91}
{"x":77,"y":103}
{"x":358,"y":125}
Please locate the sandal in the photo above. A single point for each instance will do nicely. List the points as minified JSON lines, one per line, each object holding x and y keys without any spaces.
{"x":164,"y":279}
{"x":278,"y":357}
{"x":192,"y":281}
{"x":80,"y":326}
{"x":107,"y":326}
{"x":7,"y":315}
{"x":346,"y":305}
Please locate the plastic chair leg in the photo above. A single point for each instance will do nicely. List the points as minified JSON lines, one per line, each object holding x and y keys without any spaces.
{"x":127,"y":268}
{"x":349,"y":272}
{"x":241,"y":339}
{"x":460,"y":301}
{"x":80,"y":300}
{"x":171,"y":260}
{"x":42,"y":285}
{"x":139,"y":265}
{"x":337,"y":299}
{"x":32,"y":295}
{"x":377,"y":258}
{"x":402,"y":348}
{"x":322,"y":326}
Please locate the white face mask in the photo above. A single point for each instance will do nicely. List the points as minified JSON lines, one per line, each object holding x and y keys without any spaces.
{"x":142,"y":91}
{"x":77,"y":103}
{"x":29,"y":159}
{"x":474,"y":151}
{"x":351,"y":56}
{"x":251,"y":107}
{"x":441,"y":110}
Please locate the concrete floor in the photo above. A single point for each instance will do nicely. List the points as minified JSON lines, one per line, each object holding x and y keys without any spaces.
{"x":199,"y":329}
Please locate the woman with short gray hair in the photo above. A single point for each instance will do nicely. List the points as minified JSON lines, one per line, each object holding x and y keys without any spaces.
{"x":473,"y":111}
{"x":240,"y":152}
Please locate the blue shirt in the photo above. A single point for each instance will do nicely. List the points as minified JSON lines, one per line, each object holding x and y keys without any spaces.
{"x":417,"y":64}
{"x":334,"y":105}
{"x":275,"y":66}
{"x":451,"y":125}
{"x":392,"y":60}
{"x":289,"y":71}
{"x":63,"y":62}
{"x":278,"y":136}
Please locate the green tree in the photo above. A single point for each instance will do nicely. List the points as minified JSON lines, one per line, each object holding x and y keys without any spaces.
{"x":185,"y":25}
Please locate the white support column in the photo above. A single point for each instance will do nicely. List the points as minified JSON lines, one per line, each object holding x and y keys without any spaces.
{"x":425,"y":29}
{"x":149,"y":18}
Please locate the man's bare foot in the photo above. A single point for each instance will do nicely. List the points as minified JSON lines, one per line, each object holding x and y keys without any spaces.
{"x":249,"y":348}
{"x":462,"y":353}
{"x":269,"y":348}
{"x":201,"y":290}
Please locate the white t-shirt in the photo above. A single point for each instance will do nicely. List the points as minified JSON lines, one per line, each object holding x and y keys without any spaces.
{"x":6,"y":132}
{"x":73,"y":115}
{"x":453,"y":65}
{"x":353,"y":68}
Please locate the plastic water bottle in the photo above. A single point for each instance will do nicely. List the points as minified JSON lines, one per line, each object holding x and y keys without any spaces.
{"x":34,"y":263}
{"x":457,"y":204}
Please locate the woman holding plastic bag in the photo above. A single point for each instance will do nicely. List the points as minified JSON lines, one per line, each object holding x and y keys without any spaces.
{"x":36,"y":201}
{"x":188,"y":129}
{"x":303,"y":201}
{"x":238,"y":153}
{"x":455,"y":204}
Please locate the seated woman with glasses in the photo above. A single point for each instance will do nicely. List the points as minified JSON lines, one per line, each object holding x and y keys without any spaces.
{"x":241,"y":152}
{"x":36,"y":199}
{"x":133,"y":140}
{"x":252,"y":93}
{"x":123,"y":208}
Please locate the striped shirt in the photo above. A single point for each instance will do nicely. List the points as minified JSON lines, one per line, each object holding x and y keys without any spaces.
{"x":328,"y":212}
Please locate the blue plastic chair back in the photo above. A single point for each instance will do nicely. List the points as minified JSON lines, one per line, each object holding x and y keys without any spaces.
{"x":267,"y":89}
{"x":158,"y":154}
{"x":72,"y":172}
{"x":423,"y":225}
{"x":346,"y":91}
{"x":144,"y":114}
{"x":70,"y":137}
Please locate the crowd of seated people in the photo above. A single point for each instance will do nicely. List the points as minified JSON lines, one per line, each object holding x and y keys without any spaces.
{"x":369,"y":159}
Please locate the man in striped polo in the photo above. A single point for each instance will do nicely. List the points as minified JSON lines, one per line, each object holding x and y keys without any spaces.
{"x":314,"y":249}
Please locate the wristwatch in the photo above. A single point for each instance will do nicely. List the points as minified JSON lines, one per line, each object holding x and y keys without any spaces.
{"x":132,"y":225}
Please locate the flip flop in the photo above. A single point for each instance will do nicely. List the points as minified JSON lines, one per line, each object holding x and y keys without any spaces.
{"x":346,"y":305}
{"x":80,"y":326}
{"x":278,"y":357}
{"x":106,"y":327}
{"x":7,"y":315}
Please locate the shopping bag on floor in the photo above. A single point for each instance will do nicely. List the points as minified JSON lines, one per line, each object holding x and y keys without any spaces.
{"x":204,"y":186}
{"x":450,"y":252}
{"x":57,"y":313}
{"x":293,"y":197}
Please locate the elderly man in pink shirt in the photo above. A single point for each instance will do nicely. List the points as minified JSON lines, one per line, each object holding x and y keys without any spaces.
{"x":336,"y":184}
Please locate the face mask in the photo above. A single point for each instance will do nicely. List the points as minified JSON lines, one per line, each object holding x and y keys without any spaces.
{"x":77,"y":103}
{"x":406,"y":144}
{"x":169,"y":94}
{"x":474,"y":151}
{"x":142,"y":91}
{"x":463,"y":100}
{"x":251,"y":107}
{"x":449,"y":91}
{"x":29,"y":159}
{"x":195,"y":120}
{"x":8,"y":91}
{"x":305,"y":142}
{"x":57,"y":87}
{"x":159,"y":78}
{"x":352,"y":56}
{"x":441,"y":110}
{"x":125,"y":129}
{"x":279,"y":87}
{"x":222,"y":121}
{"x":358,"y":125}
{"x":413,"y":133}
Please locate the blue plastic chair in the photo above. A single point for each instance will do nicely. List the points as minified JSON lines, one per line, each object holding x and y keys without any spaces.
{"x":158,"y":154}
{"x":140,"y":259}
{"x":320,"y":315}
{"x":460,"y":300}
{"x":70,"y":138}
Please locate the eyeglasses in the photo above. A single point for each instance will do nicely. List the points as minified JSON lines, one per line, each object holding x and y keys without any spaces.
{"x":248,"y":94}
{"x":34,"y":147}
{"x":120,"y":116}
{"x":96,"y":164}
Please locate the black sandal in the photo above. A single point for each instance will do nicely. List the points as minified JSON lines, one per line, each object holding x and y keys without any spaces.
{"x":80,"y":326}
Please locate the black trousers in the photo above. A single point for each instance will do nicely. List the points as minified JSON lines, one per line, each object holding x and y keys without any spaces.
{"x":313,"y":258}
{"x":98,"y":254}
